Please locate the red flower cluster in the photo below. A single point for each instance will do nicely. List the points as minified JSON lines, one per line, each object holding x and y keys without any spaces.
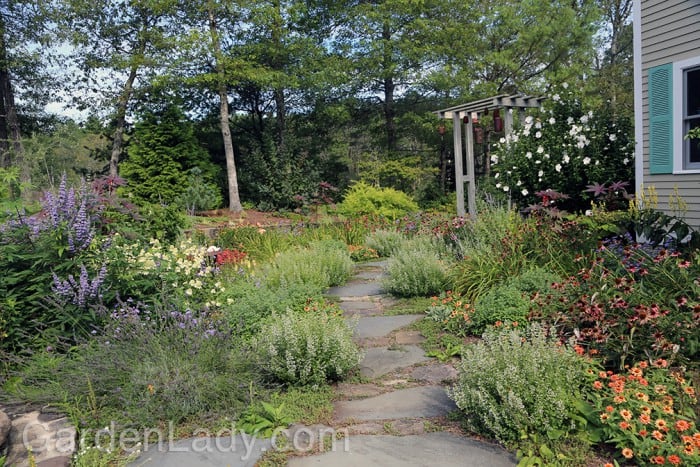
{"x":230,"y":257}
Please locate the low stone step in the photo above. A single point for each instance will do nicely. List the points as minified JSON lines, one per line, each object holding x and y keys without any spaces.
{"x":232,"y":451}
{"x":357,"y":288}
{"x":372,"y":273}
{"x":361,"y":308}
{"x":50,"y":437}
{"x":435,"y":374}
{"x":378,"y":326}
{"x":424,"y":401}
{"x":440,"y":449}
{"x":380,"y":361}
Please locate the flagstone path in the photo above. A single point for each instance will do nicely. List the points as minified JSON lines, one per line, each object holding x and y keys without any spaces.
{"x":397,"y":415}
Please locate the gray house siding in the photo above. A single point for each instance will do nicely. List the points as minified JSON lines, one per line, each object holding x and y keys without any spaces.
{"x":670,"y":32}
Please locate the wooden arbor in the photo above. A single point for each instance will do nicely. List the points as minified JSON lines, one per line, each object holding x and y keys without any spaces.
{"x":462,"y":116}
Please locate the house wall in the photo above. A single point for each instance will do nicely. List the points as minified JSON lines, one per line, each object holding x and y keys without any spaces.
{"x":670,"y":31}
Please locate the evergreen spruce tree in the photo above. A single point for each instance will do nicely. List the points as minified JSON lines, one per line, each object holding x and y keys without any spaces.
{"x":160,"y":154}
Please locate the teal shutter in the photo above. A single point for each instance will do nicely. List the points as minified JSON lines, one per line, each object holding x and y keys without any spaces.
{"x":661,"y":119}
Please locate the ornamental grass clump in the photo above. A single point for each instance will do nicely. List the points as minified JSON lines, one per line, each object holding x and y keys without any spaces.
{"x":306,"y":348}
{"x":416,"y":269}
{"x":519,"y":382}
{"x":647,"y":413}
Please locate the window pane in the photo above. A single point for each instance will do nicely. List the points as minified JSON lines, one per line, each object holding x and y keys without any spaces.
{"x":693,"y":92}
{"x":694,"y":144}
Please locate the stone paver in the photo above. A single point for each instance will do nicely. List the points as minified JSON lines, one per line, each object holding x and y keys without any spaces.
{"x":361,"y":308}
{"x":370,"y":273}
{"x":438,"y":449}
{"x":357,"y":391}
{"x":237,"y":451}
{"x":380,"y":361}
{"x":435,"y":374}
{"x":5,"y":426}
{"x":409,"y":337}
{"x":425,"y":401}
{"x":50,"y":438}
{"x":379,"y":326}
{"x":357,"y":288}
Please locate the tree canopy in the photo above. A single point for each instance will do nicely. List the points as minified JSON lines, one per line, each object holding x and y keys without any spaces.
{"x":285,"y":94}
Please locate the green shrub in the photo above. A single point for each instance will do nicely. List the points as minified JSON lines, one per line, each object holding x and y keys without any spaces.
{"x":503,"y":303}
{"x":306,"y":348}
{"x":360,"y":253}
{"x":385,"y":242}
{"x":452,"y":312}
{"x":491,"y":253}
{"x":416,"y":270}
{"x":323,"y":264}
{"x":162,"y":149}
{"x":516,"y":383}
{"x":199,"y":195}
{"x":164,"y":222}
{"x":510,"y":301}
{"x":533,"y":280}
{"x":363,"y":199}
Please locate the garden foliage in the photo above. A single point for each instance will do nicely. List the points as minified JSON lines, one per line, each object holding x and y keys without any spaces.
{"x":363,"y":199}
{"x":629,"y":302}
{"x":161,"y":151}
{"x":323,"y":264}
{"x":519,"y":382}
{"x":148,"y":364}
{"x":55,"y":251}
{"x":416,"y":269}
{"x":310,"y":347}
{"x":385,"y":242}
{"x":510,"y":301}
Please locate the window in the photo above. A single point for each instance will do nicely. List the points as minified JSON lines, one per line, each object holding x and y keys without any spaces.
{"x":674,"y":109}
{"x":691,"y":117}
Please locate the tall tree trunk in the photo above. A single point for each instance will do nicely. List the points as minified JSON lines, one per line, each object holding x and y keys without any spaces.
{"x":278,"y":65}
{"x":390,"y":114}
{"x":281,"y":120}
{"x":12,"y":133}
{"x":4,"y":137}
{"x":234,"y":198}
{"x":120,"y":121}
{"x":389,"y":87}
